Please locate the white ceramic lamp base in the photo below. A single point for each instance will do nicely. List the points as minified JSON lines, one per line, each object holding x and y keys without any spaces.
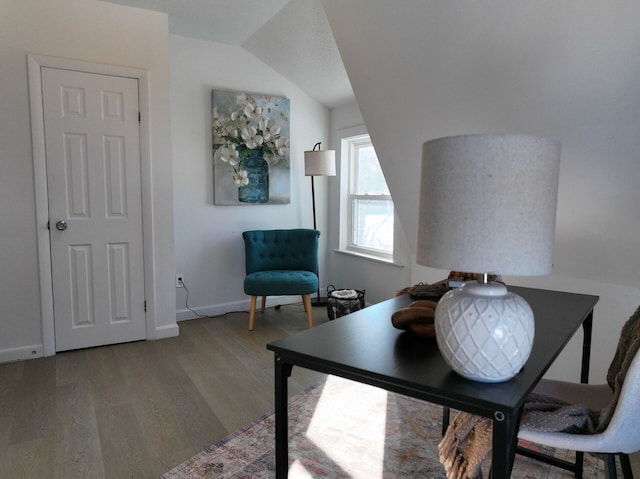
{"x":484,"y":332}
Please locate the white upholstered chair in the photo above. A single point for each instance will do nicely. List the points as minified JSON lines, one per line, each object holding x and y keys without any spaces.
{"x":622,"y":435}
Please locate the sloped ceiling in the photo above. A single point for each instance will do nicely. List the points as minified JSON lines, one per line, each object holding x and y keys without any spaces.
{"x":291,"y":36}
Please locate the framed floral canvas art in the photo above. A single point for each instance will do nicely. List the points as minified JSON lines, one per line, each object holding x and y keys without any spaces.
{"x":250,"y":148}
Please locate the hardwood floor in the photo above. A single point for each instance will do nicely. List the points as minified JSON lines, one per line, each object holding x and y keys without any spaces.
{"x":136,"y":410}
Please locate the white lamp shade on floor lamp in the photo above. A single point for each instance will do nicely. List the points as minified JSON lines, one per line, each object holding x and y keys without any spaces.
{"x":487,"y":206}
{"x":320,"y":163}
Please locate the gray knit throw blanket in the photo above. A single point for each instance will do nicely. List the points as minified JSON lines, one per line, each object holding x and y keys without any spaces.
{"x":467,"y":441}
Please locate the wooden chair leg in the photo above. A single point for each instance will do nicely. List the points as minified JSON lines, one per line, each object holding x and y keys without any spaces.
{"x":306,"y":300}
{"x":264,"y":303}
{"x":252,"y":312}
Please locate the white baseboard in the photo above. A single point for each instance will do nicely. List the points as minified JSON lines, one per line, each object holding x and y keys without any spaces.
{"x":224,"y":308}
{"x":21,"y":353}
{"x":37,"y":350}
{"x":168,"y":331}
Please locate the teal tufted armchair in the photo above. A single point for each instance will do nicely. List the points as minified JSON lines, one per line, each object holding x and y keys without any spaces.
{"x":281,"y":262}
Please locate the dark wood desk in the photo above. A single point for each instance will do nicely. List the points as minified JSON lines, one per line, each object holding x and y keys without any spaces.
{"x":365,"y":347}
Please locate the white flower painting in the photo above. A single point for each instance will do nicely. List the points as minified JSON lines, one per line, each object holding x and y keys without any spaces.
{"x":250,"y":148}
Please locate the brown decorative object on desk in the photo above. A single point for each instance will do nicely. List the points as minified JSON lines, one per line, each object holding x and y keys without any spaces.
{"x":426,"y":291}
{"x":418,"y":318}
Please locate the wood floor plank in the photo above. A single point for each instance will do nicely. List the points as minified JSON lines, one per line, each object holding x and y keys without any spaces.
{"x":108,"y":387}
{"x":33,"y":412}
{"x":10,"y":373}
{"x":196,"y":416}
{"x":123,"y":444}
{"x":155,"y":411}
{"x":6,"y":419}
{"x":235,"y":402}
{"x":77,"y":444}
{"x":71,"y":367}
{"x":29,"y":460}
{"x":250,"y":346}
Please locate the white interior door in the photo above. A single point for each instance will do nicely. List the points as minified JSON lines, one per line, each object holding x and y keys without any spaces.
{"x":92,"y":143}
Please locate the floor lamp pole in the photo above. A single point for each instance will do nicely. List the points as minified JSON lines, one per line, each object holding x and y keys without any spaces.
{"x":319,"y":301}
{"x":313,"y":200}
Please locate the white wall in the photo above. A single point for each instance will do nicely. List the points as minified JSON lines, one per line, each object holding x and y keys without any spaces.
{"x":94,"y":32}
{"x":379,"y":280}
{"x":208,"y":237}
{"x":564,"y":69}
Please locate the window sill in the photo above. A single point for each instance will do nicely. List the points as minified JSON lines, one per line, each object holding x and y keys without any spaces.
{"x":377,"y":259}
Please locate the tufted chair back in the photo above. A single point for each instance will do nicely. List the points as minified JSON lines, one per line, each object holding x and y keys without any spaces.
{"x":295,"y":249}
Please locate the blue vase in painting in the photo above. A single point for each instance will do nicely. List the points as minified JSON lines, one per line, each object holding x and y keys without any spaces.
{"x":257,"y":191}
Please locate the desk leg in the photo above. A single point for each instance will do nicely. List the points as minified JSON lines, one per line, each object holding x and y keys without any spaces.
{"x":282,"y":372}
{"x":505,"y":440}
{"x":587,"y":328}
{"x":446,"y":416}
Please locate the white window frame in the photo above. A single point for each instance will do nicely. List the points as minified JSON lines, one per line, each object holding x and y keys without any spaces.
{"x":350,"y":139}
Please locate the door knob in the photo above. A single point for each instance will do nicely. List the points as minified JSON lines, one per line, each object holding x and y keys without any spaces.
{"x":61,"y":225}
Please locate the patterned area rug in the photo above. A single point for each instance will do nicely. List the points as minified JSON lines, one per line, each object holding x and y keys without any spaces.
{"x":343,"y":429}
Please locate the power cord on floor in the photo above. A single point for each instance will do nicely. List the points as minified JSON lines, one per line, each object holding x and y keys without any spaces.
{"x":186,"y":305}
{"x":186,"y":300}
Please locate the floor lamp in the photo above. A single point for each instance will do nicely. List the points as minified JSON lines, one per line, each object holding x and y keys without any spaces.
{"x":318,"y":163}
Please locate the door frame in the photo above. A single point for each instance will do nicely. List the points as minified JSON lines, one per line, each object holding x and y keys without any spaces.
{"x":34,"y":65}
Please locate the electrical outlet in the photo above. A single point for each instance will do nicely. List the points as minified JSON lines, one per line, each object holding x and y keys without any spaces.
{"x":180,"y":280}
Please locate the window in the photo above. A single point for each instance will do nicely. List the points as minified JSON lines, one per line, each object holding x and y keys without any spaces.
{"x":368,"y":207}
